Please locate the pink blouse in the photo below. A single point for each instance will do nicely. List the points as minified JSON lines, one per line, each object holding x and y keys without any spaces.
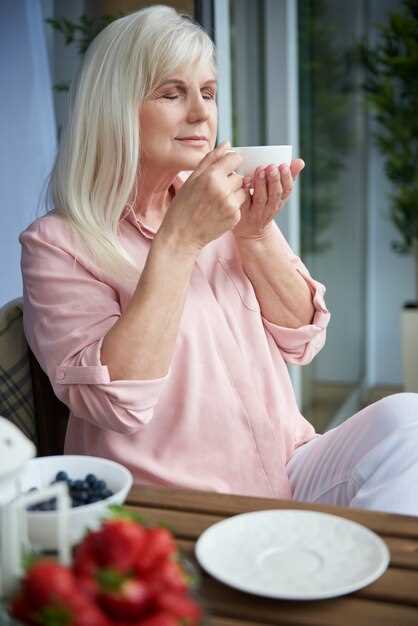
{"x":224,"y":418}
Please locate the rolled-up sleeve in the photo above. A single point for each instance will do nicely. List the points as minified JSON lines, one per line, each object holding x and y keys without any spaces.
{"x":67,"y":313}
{"x":300,"y":345}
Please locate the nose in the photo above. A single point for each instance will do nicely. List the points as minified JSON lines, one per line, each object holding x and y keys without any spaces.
{"x":198,"y":108}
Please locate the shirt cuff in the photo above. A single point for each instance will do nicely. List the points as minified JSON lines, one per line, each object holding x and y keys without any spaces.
{"x":300,"y":345}
{"x":132,"y":395}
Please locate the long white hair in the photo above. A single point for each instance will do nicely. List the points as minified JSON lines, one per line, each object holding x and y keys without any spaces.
{"x":95,"y":173}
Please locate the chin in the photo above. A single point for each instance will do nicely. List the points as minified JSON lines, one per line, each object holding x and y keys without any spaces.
{"x":191,"y":163}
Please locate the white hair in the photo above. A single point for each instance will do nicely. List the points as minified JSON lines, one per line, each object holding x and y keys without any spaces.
{"x":95,"y":173}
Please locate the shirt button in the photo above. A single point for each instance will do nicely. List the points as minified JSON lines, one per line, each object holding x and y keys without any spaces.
{"x":60,"y":375}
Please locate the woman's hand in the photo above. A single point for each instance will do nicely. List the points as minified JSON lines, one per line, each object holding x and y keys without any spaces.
{"x":272,"y":186}
{"x":208,"y":204}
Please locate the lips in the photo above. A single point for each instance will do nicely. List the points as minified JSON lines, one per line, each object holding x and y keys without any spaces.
{"x":194,"y":138}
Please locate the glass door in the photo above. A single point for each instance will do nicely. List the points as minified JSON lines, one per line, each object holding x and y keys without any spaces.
{"x":333,"y":200}
{"x":286,"y":77}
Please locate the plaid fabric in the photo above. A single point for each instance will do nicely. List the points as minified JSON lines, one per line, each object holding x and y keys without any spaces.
{"x":16,"y":400}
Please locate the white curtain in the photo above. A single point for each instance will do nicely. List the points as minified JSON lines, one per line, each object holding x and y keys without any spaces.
{"x":27,"y":130}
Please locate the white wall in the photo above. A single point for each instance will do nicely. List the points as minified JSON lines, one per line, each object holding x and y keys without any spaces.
{"x":390,"y":275}
{"x":27,"y":130}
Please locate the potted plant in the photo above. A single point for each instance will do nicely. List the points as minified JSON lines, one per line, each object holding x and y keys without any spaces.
{"x":391,"y":69}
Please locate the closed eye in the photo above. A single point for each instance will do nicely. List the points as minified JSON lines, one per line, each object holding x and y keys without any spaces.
{"x":208,"y":96}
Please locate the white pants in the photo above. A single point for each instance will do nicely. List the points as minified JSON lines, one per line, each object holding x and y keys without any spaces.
{"x":370,"y":461}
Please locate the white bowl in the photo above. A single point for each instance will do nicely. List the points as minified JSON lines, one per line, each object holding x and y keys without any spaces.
{"x":261,"y":156}
{"x":41,"y":471}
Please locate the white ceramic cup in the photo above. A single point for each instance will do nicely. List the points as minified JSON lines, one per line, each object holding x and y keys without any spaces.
{"x":261,"y":156}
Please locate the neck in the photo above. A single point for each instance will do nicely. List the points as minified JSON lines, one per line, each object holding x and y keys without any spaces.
{"x":153,"y":199}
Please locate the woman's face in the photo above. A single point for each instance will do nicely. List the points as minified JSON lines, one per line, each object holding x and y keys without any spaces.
{"x":184,"y":105}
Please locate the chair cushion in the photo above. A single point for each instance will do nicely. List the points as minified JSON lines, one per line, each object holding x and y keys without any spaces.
{"x":16,"y":398}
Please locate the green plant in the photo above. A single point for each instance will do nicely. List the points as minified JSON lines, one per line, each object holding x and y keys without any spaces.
{"x":80,"y":33}
{"x":325,"y":140}
{"x":391,"y":85}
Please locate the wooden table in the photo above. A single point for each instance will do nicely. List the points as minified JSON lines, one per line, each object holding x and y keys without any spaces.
{"x":392,"y":600}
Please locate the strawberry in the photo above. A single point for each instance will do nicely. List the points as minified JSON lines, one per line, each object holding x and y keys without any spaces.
{"x":21,"y":609}
{"x":159,"y":544}
{"x":118,"y":543}
{"x":88,"y":586}
{"x":72,"y":610}
{"x":50,"y":597}
{"x":179,"y":605}
{"x":168,"y":576}
{"x":162,"y":618}
{"x":84,"y":565}
{"x":84,"y":561}
{"x":122,"y":597}
{"x":46,"y":581}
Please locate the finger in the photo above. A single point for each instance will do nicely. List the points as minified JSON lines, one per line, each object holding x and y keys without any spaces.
{"x":246,"y":204}
{"x":228,"y":162}
{"x":260,"y":189}
{"x":287,"y":181}
{"x":211,"y":157}
{"x":255,"y":174}
{"x":296,"y":167}
{"x":234,"y":182}
{"x":274,"y":187}
{"x":247,"y":182}
{"x":241,"y":197}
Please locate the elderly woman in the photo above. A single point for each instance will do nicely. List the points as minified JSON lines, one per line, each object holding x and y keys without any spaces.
{"x":163,"y":302}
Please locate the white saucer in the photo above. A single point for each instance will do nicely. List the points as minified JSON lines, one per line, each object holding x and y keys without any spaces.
{"x":292,"y":554}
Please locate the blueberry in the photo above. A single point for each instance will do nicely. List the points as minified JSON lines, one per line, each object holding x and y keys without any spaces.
{"x":61,"y":476}
{"x":100,"y":486}
{"x":84,"y":496}
{"x":90,"y":489}
{"x":91,"y":480}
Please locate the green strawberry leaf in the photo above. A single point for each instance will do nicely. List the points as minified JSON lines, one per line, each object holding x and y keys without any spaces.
{"x":29,"y":559}
{"x":120,"y":511}
{"x":54,"y":615}
{"x":110,"y":579}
